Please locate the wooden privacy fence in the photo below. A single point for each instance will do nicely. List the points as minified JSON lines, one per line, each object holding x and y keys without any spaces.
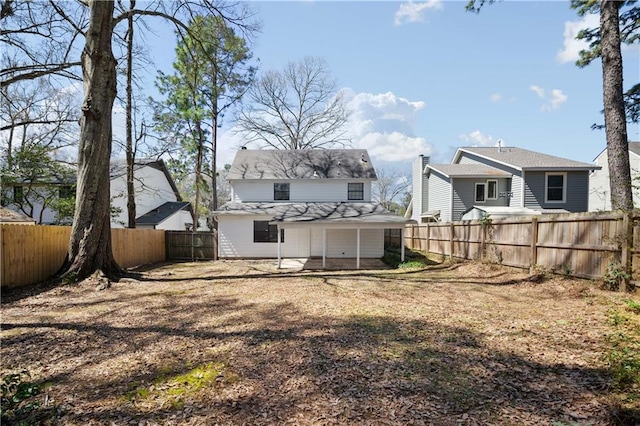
{"x":580,"y":244}
{"x":188,"y":245}
{"x":32,"y":254}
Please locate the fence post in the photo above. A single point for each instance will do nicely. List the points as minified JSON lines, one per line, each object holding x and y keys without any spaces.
{"x":483,"y":238}
{"x":428,"y":246}
{"x":451,"y":232}
{"x":534,"y":244}
{"x":627,"y":246}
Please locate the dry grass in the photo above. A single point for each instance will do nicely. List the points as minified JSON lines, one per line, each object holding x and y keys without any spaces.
{"x":239,"y":342}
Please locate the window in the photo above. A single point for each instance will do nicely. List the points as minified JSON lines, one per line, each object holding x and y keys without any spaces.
{"x":18,"y":194}
{"x":492,"y":190}
{"x":355,"y":191}
{"x":66,"y":192}
{"x":556,"y":187}
{"x":480,"y":188}
{"x":280,"y":191}
{"x":265,"y":233}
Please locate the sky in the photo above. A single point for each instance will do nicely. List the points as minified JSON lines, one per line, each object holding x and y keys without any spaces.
{"x":429,"y":77}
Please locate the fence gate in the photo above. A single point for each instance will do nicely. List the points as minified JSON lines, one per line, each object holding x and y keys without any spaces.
{"x":187,"y":245}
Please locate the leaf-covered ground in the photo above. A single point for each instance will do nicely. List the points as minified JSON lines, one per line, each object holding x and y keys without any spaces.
{"x":239,"y":342}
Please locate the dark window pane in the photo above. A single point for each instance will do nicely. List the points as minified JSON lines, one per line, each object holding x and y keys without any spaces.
{"x":480,"y":192}
{"x":265,"y":233}
{"x":280,"y":191}
{"x":355,"y":191}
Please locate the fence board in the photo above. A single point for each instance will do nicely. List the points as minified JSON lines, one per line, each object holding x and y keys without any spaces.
{"x":580,"y":244}
{"x":32,"y":254}
{"x":187,"y":245}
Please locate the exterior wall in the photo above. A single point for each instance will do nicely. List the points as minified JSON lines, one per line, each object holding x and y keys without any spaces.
{"x":42,"y":215}
{"x":440,"y":195}
{"x":152,"y":190}
{"x":516,"y":182}
{"x":235,"y":239}
{"x":420,"y":188}
{"x":599,"y":189}
{"x":176,"y":222}
{"x":464,"y":195}
{"x":576,"y":196}
{"x":303,"y":190}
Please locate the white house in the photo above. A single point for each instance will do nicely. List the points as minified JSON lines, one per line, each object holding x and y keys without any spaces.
{"x":303,"y":203}
{"x":158,"y":201}
{"x":599,"y":189}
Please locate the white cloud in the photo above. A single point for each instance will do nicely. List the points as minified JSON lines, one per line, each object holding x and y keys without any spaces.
{"x":384,"y":125}
{"x":411,"y":12}
{"x":572,"y":47}
{"x":552,"y":99}
{"x":495,"y":97}
{"x":477,"y":138}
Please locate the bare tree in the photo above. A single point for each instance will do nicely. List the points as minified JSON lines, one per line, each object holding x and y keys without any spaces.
{"x":297,"y":108}
{"x":390,"y":185}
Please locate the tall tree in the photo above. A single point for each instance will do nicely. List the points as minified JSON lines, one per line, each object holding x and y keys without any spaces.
{"x":606,"y":44}
{"x":389,"y":186}
{"x":297,"y":108}
{"x":211,"y":74}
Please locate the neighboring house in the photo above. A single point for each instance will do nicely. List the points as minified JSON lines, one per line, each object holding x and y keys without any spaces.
{"x":503,"y":181}
{"x":303,"y":203}
{"x":599,"y":189}
{"x":158,"y":201}
{"x":9,"y":216}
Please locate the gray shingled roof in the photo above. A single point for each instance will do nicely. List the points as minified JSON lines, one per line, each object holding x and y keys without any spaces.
{"x":524,"y":159}
{"x":9,"y":216}
{"x":338,"y":212}
{"x":161,"y":213}
{"x":634,"y":147}
{"x":468,"y":170}
{"x":302,"y":164}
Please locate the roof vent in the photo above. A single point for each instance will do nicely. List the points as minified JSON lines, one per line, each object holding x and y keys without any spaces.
{"x":499,"y":145}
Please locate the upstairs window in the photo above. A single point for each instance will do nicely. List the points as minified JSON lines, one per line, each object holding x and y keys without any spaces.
{"x":355,"y":191}
{"x":66,"y":192}
{"x":265,"y":233}
{"x":492,"y":190}
{"x":556,"y":187}
{"x":280,"y":191}
{"x":480,"y":192}
{"x":18,"y":194}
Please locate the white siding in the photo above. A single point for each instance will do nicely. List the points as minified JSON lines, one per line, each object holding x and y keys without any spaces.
{"x":343,"y":243}
{"x":152,"y":190}
{"x":440,"y":195}
{"x":235,"y":238}
{"x":599,"y":187}
{"x":303,"y":190}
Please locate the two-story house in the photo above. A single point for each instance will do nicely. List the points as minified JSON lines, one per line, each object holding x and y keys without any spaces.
{"x":498,"y":181}
{"x":303,"y":203}
{"x":599,"y":187}
{"x":159,"y":204}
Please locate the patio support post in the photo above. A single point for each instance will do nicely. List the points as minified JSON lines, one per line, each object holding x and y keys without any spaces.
{"x":358,"y":248}
{"x":324,"y":247}
{"x":402,"y":244}
{"x":279,"y":258}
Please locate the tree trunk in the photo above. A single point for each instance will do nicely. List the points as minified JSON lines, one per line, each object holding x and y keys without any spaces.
{"x":131,"y":196}
{"x":90,"y":243}
{"x":614,"y":108}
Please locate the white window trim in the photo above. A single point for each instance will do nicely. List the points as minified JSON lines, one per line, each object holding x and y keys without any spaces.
{"x":564,"y":187}
{"x":475,"y":192}
{"x":486,"y":197}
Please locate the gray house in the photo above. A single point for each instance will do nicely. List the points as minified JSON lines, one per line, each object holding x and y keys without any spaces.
{"x":498,"y":181}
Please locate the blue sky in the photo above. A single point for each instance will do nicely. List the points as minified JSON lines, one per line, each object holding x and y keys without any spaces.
{"x":428,"y":77}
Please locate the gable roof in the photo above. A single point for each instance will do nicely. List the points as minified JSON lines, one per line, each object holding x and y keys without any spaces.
{"x":524,"y":159}
{"x":118,"y":167}
{"x":634,"y":147}
{"x":302,"y":164}
{"x":468,"y":170}
{"x":161,"y":213}
{"x":10,"y":216}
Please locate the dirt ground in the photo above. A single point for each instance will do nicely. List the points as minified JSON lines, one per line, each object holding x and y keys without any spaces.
{"x":241,"y":342}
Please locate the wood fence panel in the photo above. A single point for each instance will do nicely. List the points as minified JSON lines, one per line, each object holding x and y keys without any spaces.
{"x":187,"y":245}
{"x":32,"y":254}
{"x":581,"y":244}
